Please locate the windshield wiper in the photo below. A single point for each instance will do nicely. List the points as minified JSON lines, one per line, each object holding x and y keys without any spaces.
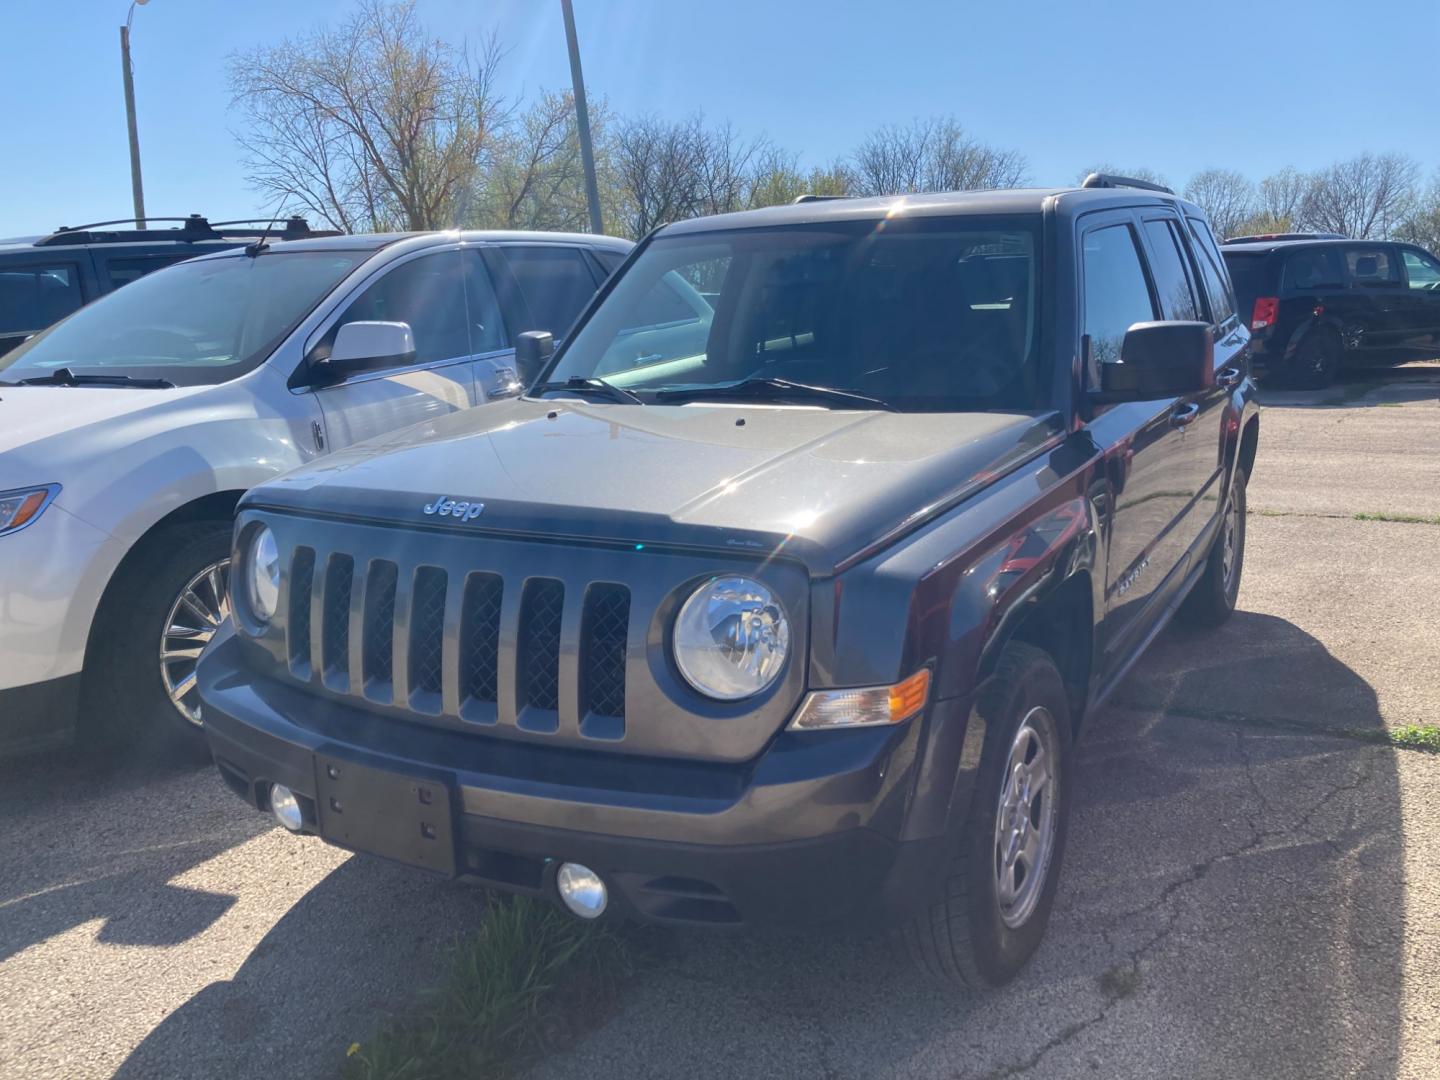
{"x":65,"y":377}
{"x":582,"y":385}
{"x":762,"y":387}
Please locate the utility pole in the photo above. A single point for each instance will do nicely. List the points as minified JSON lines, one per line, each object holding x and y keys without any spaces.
{"x":137,"y":188}
{"x":582,"y":120}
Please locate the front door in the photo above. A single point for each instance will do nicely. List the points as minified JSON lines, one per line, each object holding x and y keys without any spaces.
{"x":426,"y":291}
{"x":1422,"y":283}
{"x":1151,"y":480}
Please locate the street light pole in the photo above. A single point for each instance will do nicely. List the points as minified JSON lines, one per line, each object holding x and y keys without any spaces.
{"x":582,"y":120}
{"x":137,"y":188}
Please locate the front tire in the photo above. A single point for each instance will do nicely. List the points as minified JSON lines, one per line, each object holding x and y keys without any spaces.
{"x":1005,"y":862}
{"x":157,"y":617}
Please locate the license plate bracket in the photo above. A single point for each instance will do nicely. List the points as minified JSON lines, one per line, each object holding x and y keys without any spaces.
{"x":405,"y":818}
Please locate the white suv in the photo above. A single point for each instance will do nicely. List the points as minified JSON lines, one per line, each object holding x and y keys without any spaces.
{"x":129,"y":430}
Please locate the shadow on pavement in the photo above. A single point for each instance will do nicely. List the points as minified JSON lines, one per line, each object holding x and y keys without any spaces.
{"x":1232,"y":905}
{"x":91,"y":835}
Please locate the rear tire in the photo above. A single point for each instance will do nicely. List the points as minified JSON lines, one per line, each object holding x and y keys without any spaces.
{"x":1212,"y":599}
{"x":128,"y":678}
{"x":992,"y":916}
{"x":1317,"y":361}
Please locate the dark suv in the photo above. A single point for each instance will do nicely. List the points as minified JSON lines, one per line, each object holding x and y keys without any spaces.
{"x":45,"y":278}
{"x":1318,"y":305}
{"x":786,"y":607}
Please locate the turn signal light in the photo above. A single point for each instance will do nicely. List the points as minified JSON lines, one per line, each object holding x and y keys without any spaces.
{"x":869,"y":706}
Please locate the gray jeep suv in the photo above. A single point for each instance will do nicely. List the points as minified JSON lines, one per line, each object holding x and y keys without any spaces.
{"x":783,"y":591}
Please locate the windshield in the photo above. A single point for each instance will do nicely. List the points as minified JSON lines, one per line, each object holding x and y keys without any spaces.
{"x":923,"y":315}
{"x":194,"y":324}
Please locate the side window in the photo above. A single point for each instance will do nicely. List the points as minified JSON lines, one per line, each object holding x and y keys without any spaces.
{"x":609,"y":260}
{"x":487,"y":328}
{"x":33,"y":296}
{"x":428,"y":294}
{"x":124,"y":271}
{"x":1217,"y":287}
{"x":1116,"y":294}
{"x":1172,"y":273}
{"x":1371,"y":268}
{"x":556,"y":284}
{"x":1315,"y":268}
{"x":1423,"y":271}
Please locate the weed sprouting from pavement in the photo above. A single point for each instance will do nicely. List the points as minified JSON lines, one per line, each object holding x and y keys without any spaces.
{"x":1415,"y":737}
{"x":1403,"y":519}
{"x":527,"y":978}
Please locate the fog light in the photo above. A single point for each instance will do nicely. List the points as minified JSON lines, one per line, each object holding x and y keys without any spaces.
{"x":582,"y":890}
{"x":286,"y":807}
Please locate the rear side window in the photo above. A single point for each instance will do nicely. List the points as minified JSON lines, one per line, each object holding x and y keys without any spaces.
{"x":1316,"y":268}
{"x":1212,"y":270}
{"x":1372,"y":268}
{"x":556,"y":284}
{"x":1171,"y":272}
{"x":34,"y":296}
{"x":1251,"y":275}
{"x":1423,"y":271}
{"x":124,"y":271}
{"x":1116,"y":294}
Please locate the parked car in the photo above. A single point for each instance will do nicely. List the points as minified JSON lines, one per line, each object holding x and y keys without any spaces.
{"x":45,"y":278}
{"x":1316,"y":306}
{"x":793,"y":619}
{"x":129,"y":430}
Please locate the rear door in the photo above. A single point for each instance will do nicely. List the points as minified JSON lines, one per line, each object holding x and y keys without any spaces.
{"x":427,"y":291}
{"x":555,"y":283}
{"x":1422,"y":282}
{"x":1376,"y":319}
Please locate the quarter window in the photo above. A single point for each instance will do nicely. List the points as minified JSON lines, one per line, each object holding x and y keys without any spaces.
{"x":1217,"y":287}
{"x":1172,"y":275}
{"x":555,"y":282}
{"x":32,"y":297}
{"x":427,"y":293}
{"x":1116,"y":294}
{"x":1423,"y":271}
{"x":1371,"y":268}
{"x":1316,"y":268}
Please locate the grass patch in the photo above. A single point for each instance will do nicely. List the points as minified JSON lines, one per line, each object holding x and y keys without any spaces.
{"x":1404,"y":519}
{"x":531,"y":978}
{"x":1415,"y":737}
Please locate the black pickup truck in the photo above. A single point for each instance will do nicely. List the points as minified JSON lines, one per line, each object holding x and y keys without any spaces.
{"x":782,"y":606}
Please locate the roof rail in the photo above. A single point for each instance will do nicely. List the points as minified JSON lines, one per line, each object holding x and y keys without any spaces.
{"x":1262,"y":238}
{"x":1109,"y":180}
{"x":192,"y":228}
{"x":816,"y":198}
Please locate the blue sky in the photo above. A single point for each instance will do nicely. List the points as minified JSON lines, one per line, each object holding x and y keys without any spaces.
{"x":1247,"y":84}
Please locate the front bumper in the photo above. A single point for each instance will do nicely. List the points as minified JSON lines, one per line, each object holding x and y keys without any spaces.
{"x":820,"y":827}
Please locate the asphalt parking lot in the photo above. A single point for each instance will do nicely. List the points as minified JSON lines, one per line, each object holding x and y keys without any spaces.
{"x":1252,"y":886}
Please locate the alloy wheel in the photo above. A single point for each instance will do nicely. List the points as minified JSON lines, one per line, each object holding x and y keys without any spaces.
{"x":203,"y":604}
{"x":1027,"y":817}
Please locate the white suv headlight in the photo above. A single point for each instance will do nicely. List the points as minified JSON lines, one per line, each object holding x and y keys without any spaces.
{"x":262,"y":574}
{"x":731,"y":638}
{"x":20,"y":507}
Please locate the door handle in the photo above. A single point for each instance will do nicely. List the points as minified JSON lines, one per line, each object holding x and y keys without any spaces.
{"x":1184,"y":416}
{"x":1228,"y":378}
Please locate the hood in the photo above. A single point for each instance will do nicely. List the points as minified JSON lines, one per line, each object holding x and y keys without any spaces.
{"x":29,"y":414}
{"x":815,"y":484}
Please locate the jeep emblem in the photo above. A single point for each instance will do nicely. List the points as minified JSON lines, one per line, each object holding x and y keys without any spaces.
{"x":444,"y":506}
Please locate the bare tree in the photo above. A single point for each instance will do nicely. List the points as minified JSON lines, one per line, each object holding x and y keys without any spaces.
{"x":1281,"y":197}
{"x":1226,"y":196}
{"x":727,"y":168}
{"x":1365,"y":197}
{"x":370,"y":124}
{"x":931,"y":155}
{"x":1422,"y":224}
{"x":658,"y":166}
{"x":536,"y":179}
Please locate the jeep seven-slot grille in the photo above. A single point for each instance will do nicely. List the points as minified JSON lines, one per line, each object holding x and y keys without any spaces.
{"x":434,"y":641}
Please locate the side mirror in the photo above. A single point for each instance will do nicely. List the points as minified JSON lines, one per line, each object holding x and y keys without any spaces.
{"x":1160,"y":359}
{"x":368,"y":346}
{"x":533,"y":350}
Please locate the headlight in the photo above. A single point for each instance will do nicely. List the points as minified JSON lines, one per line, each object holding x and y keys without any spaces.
{"x":19,"y":508}
{"x":731,"y":638}
{"x":262,"y":575}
